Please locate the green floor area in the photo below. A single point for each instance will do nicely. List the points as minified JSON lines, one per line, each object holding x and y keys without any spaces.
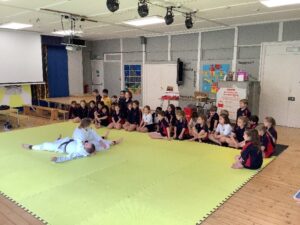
{"x":141,"y":181}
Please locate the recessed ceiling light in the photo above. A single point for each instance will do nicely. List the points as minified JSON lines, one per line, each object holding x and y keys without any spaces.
{"x":15,"y":26}
{"x":276,"y":3}
{"x":145,"y":21}
{"x":67,"y":32}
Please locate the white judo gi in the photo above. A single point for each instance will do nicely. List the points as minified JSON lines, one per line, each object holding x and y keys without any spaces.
{"x":88,"y":134}
{"x":72,"y":148}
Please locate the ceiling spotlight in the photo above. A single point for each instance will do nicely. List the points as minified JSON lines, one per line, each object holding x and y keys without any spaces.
{"x":189,"y":21}
{"x":169,"y":18}
{"x":143,"y":8}
{"x":112,"y":5}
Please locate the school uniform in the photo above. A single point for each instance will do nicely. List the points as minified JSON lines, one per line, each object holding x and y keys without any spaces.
{"x":89,"y":135}
{"x":91,"y":113}
{"x":224,"y":129}
{"x":162,"y":127}
{"x":266,"y":141}
{"x":98,"y":98}
{"x":104,"y":122}
{"x":239,"y":133}
{"x":180,"y":125}
{"x":251,"y":156}
{"x":199,"y":128}
{"x":147,"y":118}
{"x":117,"y":116}
{"x":252,"y":126}
{"x":134,"y":116}
{"x":243,"y":112}
{"x":171,"y":117}
{"x":212,"y":119}
{"x":123,"y":106}
{"x":83,"y":112}
{"x":73,"y":112}
{"x":273,"y":132}
{"x":68,"y":146}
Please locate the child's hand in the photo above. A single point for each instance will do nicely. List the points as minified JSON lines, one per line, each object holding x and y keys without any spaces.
{"x":54,"y":159}
{"x":180,"y":137}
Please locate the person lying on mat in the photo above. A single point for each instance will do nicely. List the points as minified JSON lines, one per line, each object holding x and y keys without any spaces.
{"x":251,"y":155}
{"x":85,"y":133}
{"x":73,"y":149}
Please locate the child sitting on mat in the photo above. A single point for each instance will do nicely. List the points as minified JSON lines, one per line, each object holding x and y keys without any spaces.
{"x":200,"y":131}
{"x":163,"y":129}
{"x":181,"y":131}
{"x":82,"y":112}
{"x":243,"y":110}
{"x":68,"y":146}
{"x":73,"y":111}
{"x":84,"y":133}
{"x":270,"y":124}
{"x":92,"y":109}
{"x":155,"y":116}
{"x":146,"y":124}
{"x":253,"y":122}
{"x":222,"y":132}
{"x":101,"y":118}
{"x":236,"y":139}
{"x":170,"y":116}
{"x":133,"y":117}
{"x":213,"y":119}
{"x":267,"y":145}
{"x":117,"y":119}
{"x":192,"y":123}
{"x":251,"y":155}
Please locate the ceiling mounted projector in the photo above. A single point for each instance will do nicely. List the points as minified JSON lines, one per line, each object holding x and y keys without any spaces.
{"x":112,"y":5}
{"x":143,"y":8}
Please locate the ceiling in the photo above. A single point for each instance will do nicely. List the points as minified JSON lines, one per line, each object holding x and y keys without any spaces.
{"x":211,"y":14}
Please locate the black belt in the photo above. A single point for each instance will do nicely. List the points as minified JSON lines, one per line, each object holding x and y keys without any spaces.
{"x":65,"y":144}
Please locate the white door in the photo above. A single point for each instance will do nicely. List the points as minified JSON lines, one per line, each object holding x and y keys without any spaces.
{"x":156,"y":78}
{"x":112,"y":77}
{"x":97,"y":75}
{"x":280,"y":77}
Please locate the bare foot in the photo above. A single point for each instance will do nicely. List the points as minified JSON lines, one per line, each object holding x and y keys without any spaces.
{"x":26,"y":146}
{"x":105,"y":136}
{"x":118,"y":141}
{"x":192,"y":139}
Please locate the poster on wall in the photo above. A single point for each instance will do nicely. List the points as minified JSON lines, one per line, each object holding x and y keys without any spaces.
{"x":229,"y":99}
{"x":133,"y":78}
{"x":212,"y":73}
{"x":15,"y":96}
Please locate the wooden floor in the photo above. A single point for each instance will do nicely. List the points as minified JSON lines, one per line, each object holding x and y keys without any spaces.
{"x":265,"y":200}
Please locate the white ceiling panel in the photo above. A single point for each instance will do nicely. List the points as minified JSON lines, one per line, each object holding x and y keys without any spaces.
{"x":210,"y":14}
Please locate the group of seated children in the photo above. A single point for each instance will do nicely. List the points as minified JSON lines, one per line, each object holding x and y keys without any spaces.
{"x":256,"y":141}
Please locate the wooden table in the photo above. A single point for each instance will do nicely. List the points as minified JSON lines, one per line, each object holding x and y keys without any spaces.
{"x":67,"y":100}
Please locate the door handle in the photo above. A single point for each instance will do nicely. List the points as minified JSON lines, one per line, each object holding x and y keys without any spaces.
{"x":292,"y":99}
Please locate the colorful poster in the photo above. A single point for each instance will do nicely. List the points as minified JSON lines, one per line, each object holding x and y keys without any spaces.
{"x":229,"y":99}
{"x":212,"y":73}
{"x":15,"y":96}
{"x":133,"y":78}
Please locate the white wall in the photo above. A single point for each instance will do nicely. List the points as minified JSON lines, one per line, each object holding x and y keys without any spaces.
{"x":75,"y":68}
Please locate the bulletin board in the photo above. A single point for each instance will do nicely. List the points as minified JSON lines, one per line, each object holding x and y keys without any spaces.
{"x":229,"y":99}
{"x":15,"y":96}
{"x":211,"y":74}
{"x":133,"y":78}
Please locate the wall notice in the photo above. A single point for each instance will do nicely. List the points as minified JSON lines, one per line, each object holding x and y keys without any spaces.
{"x":229,"y":99}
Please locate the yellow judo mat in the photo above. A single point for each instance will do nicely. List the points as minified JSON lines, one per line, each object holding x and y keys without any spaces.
{"x":140,"y":181}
